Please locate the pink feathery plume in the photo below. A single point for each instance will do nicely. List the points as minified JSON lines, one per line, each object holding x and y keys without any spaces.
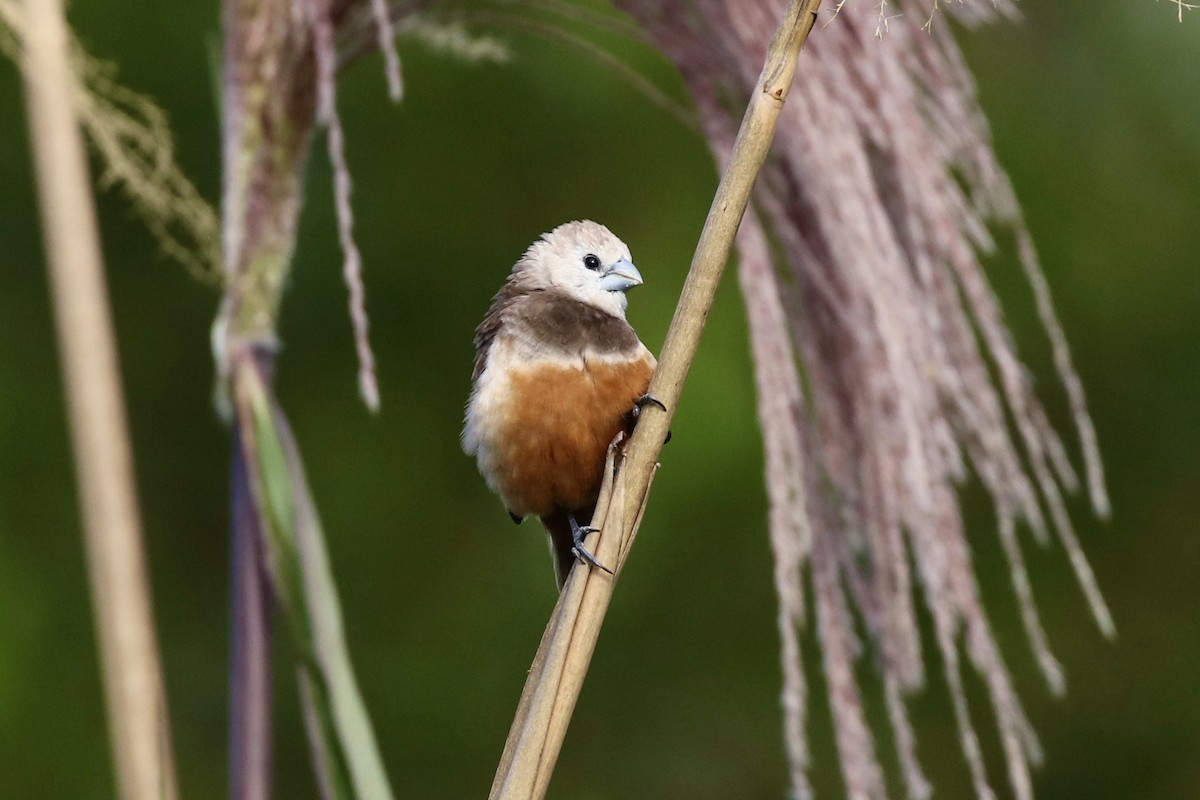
{"x":875,"y":333}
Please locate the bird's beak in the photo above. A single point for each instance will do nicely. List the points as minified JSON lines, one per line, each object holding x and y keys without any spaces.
{"x":622,"y":277}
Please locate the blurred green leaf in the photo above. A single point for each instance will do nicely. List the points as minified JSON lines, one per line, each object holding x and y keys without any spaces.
{"x":347,"y":757}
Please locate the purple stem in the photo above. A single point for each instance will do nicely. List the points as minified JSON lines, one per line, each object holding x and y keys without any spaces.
{"x":250,"y":645}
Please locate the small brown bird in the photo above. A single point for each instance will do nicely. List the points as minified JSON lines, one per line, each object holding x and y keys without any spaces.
{"x":558,"y":373}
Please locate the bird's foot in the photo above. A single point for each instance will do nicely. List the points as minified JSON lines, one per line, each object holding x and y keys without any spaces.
{"x":646,"y":400}
{"x":578,"y":534}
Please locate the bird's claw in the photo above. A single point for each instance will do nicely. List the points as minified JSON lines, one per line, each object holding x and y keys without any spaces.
{"x":581,"y":552}
{"x":645,"y":400}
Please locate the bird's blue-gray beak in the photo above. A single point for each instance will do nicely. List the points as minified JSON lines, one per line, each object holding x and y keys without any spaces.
{"x":621,"y":277}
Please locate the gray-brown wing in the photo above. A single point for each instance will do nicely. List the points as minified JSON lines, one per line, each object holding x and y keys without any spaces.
{"x":569,"y":326}
{"x":556,"y":320}
{"x":485,"y":334}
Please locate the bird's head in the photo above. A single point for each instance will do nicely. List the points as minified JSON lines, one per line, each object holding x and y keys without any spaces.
{"x":583,"y":259}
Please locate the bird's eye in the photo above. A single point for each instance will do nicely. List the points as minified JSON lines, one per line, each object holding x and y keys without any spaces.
{"x":591,"y":262}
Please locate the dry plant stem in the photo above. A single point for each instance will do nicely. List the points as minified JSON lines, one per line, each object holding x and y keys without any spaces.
{"x":104,"y":469}
{"x":546,"y":689}
{"x":556,"y":676}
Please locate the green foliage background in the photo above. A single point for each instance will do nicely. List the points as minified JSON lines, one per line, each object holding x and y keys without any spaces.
{"x":1096,"y":113}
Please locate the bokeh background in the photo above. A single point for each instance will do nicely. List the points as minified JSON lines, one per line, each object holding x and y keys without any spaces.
{"x":1095,"y":108}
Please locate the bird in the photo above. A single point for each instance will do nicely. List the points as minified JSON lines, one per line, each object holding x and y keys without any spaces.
{"x":558,"y":374}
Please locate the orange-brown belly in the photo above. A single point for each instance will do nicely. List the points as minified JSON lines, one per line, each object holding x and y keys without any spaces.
{"x":557,"y":428}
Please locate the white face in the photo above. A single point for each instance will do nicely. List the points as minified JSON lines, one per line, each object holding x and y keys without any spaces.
{"x":585,"y":260}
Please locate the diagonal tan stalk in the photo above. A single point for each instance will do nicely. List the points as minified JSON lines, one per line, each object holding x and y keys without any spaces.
{"x":562,"y":659}
{"x":136,"y":701}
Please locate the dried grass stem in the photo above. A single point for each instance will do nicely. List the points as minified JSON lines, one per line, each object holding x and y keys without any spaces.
{"x":556,"y":677}
{"x":133,"y":682}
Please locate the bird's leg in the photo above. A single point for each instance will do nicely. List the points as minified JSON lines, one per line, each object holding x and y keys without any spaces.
{"x":645,"y":400}
{"x":578,"y":534}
